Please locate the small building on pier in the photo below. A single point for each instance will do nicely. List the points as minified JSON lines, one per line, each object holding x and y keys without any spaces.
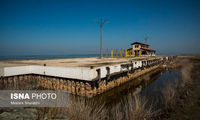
{"x":141,"y":49}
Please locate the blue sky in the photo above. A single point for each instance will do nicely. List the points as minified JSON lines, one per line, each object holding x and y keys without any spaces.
{"x":61,"y":27}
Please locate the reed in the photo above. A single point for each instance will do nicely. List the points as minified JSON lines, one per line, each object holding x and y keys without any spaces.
{"x":83,"y":110}
{"x":134,"y":108}
{"x":169,"y":95}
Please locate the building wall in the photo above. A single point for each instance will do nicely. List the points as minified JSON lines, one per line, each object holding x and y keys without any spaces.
{"x":134,"y":48}
{"x":139,"y":46}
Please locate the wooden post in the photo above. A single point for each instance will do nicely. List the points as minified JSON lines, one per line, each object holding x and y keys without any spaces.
{"x":69,"y":85}
{"x":125,"y":53}
{"x":121,"y":53}
{"x":116,"y":53}
{"x":107,"y":52}
{"x":73,"y":88}
{"x":88,"y":89}
{"x":140,"y":52}
{"x":82,"y":89}
{"x":65,"y":85}
{"x":112,"y":53}
{"x":78,"y":88}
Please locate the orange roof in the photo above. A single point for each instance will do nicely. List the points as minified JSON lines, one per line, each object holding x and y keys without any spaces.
{"x":148,"y":49}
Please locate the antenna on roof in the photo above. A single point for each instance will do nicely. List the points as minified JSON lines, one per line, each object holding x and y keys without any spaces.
{"x":145,"y":39}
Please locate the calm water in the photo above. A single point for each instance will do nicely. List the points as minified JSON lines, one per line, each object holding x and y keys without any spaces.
{"x":27,"y":57}
{"x":149,"y":86}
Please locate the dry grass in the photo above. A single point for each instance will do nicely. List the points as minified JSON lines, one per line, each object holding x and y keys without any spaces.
{"x":84,"y":110}
{"x":186,"y":68}
{"x":134,"y":108}
{"x":169,"y":95}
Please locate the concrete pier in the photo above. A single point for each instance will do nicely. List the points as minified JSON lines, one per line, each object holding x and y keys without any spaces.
{"x":82,"y":76}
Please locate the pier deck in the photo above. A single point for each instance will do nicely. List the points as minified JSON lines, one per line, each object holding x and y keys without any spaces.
{"x":71,"y":62}
{"x":80,"y":76}
{"x":72,"y":68}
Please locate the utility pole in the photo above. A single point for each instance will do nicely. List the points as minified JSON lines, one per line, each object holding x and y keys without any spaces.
{"x":101,"y":23}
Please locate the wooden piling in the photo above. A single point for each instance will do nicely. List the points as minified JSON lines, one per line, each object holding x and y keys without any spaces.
{"x":78,"y":88}
{"x":116,"y":53}
{"x":69,"y":86}
{"x":82,"y":85}
{"x":121,"y":53}
{"x":107,"y":52}
{"x":111,"y":55}
{"x":73,"y":91}
{"x":88,"y":90}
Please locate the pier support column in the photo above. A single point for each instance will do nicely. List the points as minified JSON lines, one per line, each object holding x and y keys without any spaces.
{"x":73,"y":88}
{"x":78,"y":88}
{"x":54,"y":83}
{"x":61,"y":84}
{"x":140,"y":52}
{"x":65,"y":87}
{"x":15,"y":80}
{"x":69,"y":86}
{"x":49,"y":83}
{"x":82,"y":88}
{"x":20,"y":81}
{"x":10,"y":83}
{"x":89,"y":92}
{"x":133,"y":53}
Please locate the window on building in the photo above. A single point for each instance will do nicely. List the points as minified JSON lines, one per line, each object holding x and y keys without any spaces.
{"x":136,"y":46}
